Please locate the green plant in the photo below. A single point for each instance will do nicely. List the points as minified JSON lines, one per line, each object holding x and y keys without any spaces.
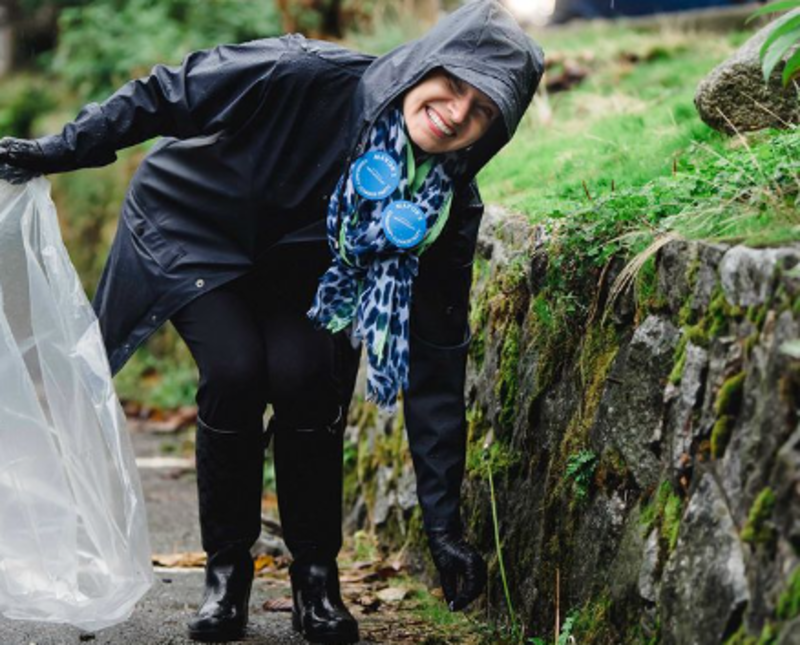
{"x":107,"y":42}
{"x":566,"y":629}
{"x":784,"y":36}
{"x":499,"y":548}
{"x":580,"y":471}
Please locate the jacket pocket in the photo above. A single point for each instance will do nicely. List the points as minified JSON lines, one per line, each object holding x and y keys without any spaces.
{"x":148,"y":238}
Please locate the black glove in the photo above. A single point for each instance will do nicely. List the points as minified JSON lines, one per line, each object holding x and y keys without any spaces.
{"x":455,"y":558}
{"x":20,"y":160}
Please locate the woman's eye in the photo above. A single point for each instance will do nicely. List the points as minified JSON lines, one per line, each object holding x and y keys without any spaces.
{"x":456,"y":84}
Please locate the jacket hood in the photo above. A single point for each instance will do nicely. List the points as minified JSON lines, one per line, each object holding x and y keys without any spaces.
{"x":480,"y":43}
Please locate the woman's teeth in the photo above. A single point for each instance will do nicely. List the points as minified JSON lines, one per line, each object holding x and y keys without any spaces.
{"x":439,"y":123}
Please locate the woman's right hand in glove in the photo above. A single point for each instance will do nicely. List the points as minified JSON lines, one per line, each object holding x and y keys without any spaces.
{"x":20,"y":160}
{"x":461,"y":567}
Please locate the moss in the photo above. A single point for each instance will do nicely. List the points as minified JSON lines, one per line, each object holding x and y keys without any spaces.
{"x":759,"y":529}
{"x":592,"y":623}
{"x":713,"y":324}
{"x":649,"y":299}
{"x":768,"y":636}
{"x":721,"y":435}
{"x":612,"y":471}
{"x":506,"y":385}
{"x":729,"y":397}
{"x":749,"y":343}
{"x":757,"y":314}
{"x":676,"y":374}
{"x":663,"y":513}
{"x":671,"y":522}
{"x":796,"y":307}
{"x":789,"y":601}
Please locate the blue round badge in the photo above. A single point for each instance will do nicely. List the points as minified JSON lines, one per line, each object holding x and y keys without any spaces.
{"x":376,"y":175}
{"x":404,"y":224}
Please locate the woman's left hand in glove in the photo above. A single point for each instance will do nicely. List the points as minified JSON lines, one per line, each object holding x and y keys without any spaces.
{"x":461,"y":567}
{"x":20,"y":160}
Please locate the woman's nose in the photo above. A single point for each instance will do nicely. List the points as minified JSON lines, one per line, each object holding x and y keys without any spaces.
{"x":459,"y":108}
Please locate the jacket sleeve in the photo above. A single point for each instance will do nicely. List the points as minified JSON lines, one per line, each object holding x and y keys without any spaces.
{"x":210,"y":91}
{"x":433,"y":402}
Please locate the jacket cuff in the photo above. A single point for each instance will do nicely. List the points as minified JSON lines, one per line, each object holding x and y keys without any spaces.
{"x":54,"y":152}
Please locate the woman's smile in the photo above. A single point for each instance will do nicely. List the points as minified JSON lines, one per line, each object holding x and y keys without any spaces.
{"x":438,"y":125}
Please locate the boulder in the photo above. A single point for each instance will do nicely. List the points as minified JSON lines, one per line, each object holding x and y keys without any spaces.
{"x":631,"y":407}
{"x":704,"y":589}
{"x":734,"y":96}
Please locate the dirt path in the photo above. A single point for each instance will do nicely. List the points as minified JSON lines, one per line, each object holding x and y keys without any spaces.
{"x":385,"y":602}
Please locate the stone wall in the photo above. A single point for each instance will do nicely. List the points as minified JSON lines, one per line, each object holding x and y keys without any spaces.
{"x":642,"y":446}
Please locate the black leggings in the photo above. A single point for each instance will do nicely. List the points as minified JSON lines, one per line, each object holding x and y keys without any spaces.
{"x":254,"y":345}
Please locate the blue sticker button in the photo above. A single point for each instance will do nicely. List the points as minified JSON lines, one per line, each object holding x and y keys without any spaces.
{"x":404,"y":224}
{"x":376,"y":175}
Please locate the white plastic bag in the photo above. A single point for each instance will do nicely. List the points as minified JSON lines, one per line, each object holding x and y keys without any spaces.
{"x":74,"y":544}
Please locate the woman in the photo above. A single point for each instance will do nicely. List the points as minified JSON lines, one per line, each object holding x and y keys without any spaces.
{"x":268,"y":144}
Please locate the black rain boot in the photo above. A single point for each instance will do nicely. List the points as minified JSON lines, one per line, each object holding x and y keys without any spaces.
{"x":229,"y":486}
{"x":308,"y":472}
{"x":318,"y":611}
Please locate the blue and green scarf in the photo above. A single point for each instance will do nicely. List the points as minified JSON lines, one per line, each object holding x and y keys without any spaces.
{"x":369,"y":282}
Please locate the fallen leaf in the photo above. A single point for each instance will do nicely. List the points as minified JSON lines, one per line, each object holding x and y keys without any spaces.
{"x":278,"y":604}
{"x":369,"y":603}
{"x":264,"y":562}
{"x":392,"y":594}
{"x":190,"y":559}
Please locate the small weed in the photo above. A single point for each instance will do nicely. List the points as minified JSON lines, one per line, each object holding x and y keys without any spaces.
{"x":580,"y":471}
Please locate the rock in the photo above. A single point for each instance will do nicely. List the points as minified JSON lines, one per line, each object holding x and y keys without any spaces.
{"x":790,"y":633}
{"x":681,"y":430}
{"x":648,"y":574}
{"x":704,"y":588}
{"x":673,"y":269}
{"x":766,"y":419}
{"x":407,"y":488}
{"x":503,"y":235}
{"x":706,"y":278}
{"x":747,"y":274}
{"x":786,"y":484}
{"x":734,"y":97}
{"x":385,"y":497}
{"x":725,"y":360}
{"x":632,"y":402}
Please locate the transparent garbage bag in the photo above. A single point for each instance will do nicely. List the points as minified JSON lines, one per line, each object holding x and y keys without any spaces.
{"x":74,"y":543}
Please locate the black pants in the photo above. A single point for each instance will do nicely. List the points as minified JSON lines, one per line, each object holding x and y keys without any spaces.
{"x":254,"y":345}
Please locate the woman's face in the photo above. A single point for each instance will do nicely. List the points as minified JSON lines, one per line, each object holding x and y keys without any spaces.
{"x":443,"y":113}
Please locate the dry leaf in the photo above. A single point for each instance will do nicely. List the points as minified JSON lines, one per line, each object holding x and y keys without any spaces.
{"x":278,"y":604}
{"x":392,"y":594}
{"x":190,"y":559}
{"x":264,"y":562}
{"x":369,"y":603}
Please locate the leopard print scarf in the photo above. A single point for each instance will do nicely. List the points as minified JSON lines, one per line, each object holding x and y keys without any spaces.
{"x":369,"y":281}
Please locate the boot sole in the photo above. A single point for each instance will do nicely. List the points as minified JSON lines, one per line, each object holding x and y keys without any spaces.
{"x":218,"y":636}
{"x":325,"y":639}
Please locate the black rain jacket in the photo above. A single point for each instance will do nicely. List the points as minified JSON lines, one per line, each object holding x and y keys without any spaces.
{"x":256,"y":136}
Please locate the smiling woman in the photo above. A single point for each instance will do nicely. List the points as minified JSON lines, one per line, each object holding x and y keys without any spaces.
{"x":282,"y":157}
{"x":445,"y":114}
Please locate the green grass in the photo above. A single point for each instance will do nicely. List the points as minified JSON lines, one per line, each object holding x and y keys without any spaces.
{"x":624,"y":155}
